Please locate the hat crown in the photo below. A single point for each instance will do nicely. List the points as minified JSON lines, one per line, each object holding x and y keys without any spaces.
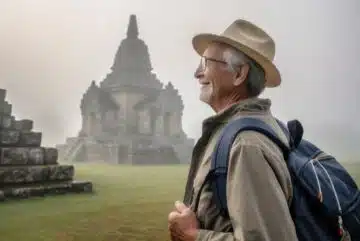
{"x":251,"y":36}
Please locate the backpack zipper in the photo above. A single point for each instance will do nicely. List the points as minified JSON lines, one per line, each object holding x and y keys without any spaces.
{"x":320,"y":196}
{"x":341,"y":230}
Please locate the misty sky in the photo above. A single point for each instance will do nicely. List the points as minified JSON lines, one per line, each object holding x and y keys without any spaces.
{"x":52,"y":50}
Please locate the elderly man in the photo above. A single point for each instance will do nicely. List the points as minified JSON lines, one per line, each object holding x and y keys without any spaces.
{"x":235,"y":68}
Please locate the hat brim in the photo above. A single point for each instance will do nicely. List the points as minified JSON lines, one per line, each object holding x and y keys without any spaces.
{"x":272,"y":76}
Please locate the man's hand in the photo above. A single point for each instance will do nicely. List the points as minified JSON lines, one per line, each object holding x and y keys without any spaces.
{"x":183,"y":224}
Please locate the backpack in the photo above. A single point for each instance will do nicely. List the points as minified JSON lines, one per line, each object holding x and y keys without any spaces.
{"x":326,"y":200}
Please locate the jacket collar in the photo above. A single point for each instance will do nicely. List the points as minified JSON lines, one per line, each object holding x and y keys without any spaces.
{"x":248,"y":106}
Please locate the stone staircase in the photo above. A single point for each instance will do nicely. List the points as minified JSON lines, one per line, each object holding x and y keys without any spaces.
{"x":27,"y":168}
{"x":72,"y":150}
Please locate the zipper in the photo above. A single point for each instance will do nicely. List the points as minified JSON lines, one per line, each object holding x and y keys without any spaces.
{"x":317,"y":160}
{"x":319,"y":196}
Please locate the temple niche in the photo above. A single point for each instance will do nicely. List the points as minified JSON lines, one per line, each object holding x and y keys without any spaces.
{"x":130,"y":116}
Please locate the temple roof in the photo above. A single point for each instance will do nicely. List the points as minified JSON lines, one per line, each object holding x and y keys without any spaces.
{"x":148,"y":101}
{"x":168,"y":98}
{"x":132,"y":65}
{"x":102,"y":98}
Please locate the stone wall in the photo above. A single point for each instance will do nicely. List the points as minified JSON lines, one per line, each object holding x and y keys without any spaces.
{"x":155,"y":156}
{"x":26,"y":168}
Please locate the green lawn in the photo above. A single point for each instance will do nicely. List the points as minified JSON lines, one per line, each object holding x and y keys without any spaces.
{"x":130,"y":203}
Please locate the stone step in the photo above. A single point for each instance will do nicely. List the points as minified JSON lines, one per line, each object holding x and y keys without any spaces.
{"x":5,"y":108}
{"x":35,"y":174}
{"x":6,"y":121}
{"x":25,"y":125}
{"x":28,"y":156}
{"x":12,"y":138}
{"x":45,"y":189}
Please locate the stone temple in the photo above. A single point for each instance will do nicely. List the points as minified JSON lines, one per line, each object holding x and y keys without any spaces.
{"x":130,"y":117}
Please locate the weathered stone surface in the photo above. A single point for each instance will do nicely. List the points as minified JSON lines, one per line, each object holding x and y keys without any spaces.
{"x":26,"y":168}
{"x":159,"y":155}
{"x":5,"y":108}
{"x":51,"y":156}
{"x":32,"y":174}
{"x":24,"y":192}
{"x":22,"y":156}
{"x":81,"y":186}
{"x":9,"y":137}
{"x":30,"y":139}
{"x":18,"y":138}
{"x":46,"y":189}
{"x":14,"y":156}
{"x":25,"y":174}
{"x":23,"y":125}
{"x":6,"y":121}
{"x":36,"y":156}
{"x":71,"y":186}
{"x":60,"y":173}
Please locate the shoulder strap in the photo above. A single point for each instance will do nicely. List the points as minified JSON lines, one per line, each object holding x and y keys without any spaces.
{"x":219,"y":164}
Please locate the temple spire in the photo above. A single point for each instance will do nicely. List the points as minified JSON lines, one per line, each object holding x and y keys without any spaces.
{"x":132,"y":31}
{"x":132,"y":65}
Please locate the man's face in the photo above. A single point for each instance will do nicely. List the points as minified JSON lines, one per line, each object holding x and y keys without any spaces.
{"x":214,"y":76}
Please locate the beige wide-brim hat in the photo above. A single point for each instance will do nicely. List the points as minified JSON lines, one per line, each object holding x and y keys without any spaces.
{"x":249,"y":39}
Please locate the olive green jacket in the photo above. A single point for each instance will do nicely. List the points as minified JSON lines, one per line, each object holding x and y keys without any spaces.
{"x":259,"y":189}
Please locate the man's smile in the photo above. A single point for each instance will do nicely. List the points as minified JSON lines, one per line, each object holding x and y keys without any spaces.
{"x":204,"y":83}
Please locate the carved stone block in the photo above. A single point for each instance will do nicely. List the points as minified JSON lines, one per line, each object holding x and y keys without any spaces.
{"x":35,"y":174}
{"x":43,"y":189}
{"x":30,"y":139}
{"x":36,"y":156}
{"x":9,"y":137}
{"x":51,"y":156}
{"x":60,"y":173}
{"x":23,"y":125}
{"x":5,"y":108}
{"x":14,"y":156}
{"x":6,"y":121}
{"x":81,"y":186}
{"x":22,"y":156}
{"x":22,"y":174}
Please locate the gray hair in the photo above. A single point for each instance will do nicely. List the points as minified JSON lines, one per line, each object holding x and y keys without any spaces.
{"x":255,"y":83}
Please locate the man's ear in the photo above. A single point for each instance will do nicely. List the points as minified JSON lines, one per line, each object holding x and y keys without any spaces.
{"x":241,"y":75}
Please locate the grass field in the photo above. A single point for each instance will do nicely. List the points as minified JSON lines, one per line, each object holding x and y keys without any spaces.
{"x":131,"y":203}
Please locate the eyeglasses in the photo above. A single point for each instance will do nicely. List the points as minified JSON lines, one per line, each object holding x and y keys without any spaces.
{"x":204,"y":60}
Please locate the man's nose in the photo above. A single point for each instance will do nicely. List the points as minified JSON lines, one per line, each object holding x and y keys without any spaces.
{"x":198,"y":72}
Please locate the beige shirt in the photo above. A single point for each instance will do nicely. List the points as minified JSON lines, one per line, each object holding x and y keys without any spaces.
{"x":259,"y":188}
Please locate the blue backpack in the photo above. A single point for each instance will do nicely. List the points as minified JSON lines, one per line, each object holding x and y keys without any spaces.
{"x":326,"y":200}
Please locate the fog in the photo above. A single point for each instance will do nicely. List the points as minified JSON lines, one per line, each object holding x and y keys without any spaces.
{"x":52,"y":50}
